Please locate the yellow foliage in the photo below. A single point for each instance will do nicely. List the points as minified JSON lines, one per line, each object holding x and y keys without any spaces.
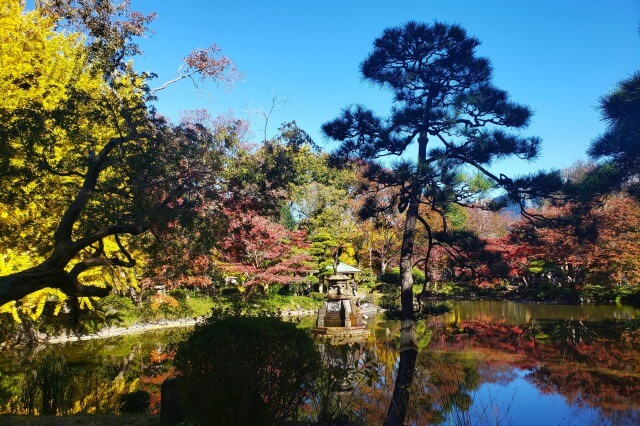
{"x":33,"y":304}
{"x":10,"y":308}
{"x":57,"y":104}
{"x":85,"y":303}
{"x":118,"y":278}
{"x":105,"y":397}
{"x":39,"y":70}
{"x":38,"y":66}
{"x":12,"y":261}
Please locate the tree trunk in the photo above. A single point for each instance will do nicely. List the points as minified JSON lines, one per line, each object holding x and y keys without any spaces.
{"x":18,"y":285}
{"x":400,"y":400}
{"x":383,"y":266}
{"x":408,"y":343}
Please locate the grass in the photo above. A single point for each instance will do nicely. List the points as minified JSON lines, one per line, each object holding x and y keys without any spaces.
{"x":275,"y":303}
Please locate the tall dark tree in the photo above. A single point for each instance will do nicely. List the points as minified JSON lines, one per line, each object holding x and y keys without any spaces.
{"x":618,"y":148}
{"x":443,"y":100}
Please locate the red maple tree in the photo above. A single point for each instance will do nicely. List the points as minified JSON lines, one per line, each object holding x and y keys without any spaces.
{"x":263,"y":251}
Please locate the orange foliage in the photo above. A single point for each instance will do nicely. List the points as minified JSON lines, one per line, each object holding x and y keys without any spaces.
{"x":157,"y":300}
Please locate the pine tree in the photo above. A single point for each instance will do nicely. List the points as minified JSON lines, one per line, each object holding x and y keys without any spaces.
{"x":443,"y":100}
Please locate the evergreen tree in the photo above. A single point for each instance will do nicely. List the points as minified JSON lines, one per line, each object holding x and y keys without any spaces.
{"x":618,"y":147}
{"x":443,"y":100}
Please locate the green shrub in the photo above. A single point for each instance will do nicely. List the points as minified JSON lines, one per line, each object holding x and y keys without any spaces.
{"x":390,"y":301}
{"x":450,"y":288}
{"x":179,"y":294}
{"x":392,"y":276}
{"x":597,"y":293}
{"x":198,"y":306}
{"x":317,"y":296}
{"x":312,"y":280}
{"x":418,"y":276}
{"x":271,"y":303}
{"x":276,"y":289}
{"x":277,"y":303}
{"x":606,"y":294}
{"x":387,"y":288}
{"x":291,"y":289}
{"x":245,"y":370}
{"x":552,"y":293}
{"x":367,"y":278}
{"x":227,"y":291}
{"x":628,"y":294}
{"x":305,"y":302}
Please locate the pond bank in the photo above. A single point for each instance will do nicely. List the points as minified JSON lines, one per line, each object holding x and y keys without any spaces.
{"x":115,"y":331}
{"x":543,"y":294}
{"x":120,"y":331}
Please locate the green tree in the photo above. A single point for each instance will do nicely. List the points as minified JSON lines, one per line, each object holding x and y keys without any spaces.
{"x":262,"y":178}
{"x":443,"y":100}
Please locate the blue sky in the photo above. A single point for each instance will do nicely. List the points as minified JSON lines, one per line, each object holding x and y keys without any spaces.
{"x":557,"y":56}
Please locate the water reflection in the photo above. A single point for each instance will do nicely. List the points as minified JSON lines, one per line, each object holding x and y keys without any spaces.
{"x":484,"y":363}
{"x":489,"y":362}
{"x":96,"y":372}
{"x":520,"y":313}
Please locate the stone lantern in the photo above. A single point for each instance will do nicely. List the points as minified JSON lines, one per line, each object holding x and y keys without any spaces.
{"x":338,"y":316}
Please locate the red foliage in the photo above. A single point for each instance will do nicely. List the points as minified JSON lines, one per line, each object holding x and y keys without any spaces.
{"x":597,"y":246}
{"x":263,"y":251}
{"x":183,"y":259}
{"x":618,"y":241}
{"x":208,"y":62}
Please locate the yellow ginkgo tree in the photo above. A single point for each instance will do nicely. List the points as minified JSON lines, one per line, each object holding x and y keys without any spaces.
{"x":85,"y":164}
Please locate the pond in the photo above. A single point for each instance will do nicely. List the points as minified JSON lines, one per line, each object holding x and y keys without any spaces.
{"x":483,"y":363}
{"x":525,"y":364}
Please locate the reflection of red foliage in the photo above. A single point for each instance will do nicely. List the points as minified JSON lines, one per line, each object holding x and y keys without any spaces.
{"x":157,"y":357}
{"x":152,"y":383}
{"x":496,"y":335}
{"x":594,"y":372}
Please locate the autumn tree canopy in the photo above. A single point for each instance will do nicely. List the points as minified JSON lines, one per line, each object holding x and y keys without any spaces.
{"x":85,"y":162}
{"x":574,"y":248}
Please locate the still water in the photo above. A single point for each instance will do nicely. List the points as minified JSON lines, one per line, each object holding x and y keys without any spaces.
{"x":483,"y":363}
{"x":523,"y":364}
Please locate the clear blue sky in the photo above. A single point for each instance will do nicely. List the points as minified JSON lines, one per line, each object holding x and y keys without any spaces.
{"x":557,"y":56}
